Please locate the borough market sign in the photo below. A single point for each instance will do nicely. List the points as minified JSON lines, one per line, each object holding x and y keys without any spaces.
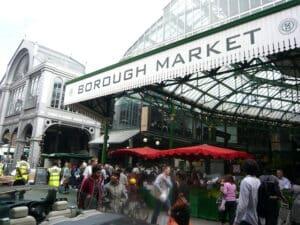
{"x":261,"y":37}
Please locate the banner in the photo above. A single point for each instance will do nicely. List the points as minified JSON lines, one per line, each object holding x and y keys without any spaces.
{"x":264,"y":36}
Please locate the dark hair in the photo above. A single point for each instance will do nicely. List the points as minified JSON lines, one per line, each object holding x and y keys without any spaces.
{"x":181,"y":175}
{"x":116,"y":174}
{"x":297,"y":181}
{"x":229,"y":178}
{"x":95,"y":169}
{"x":23,"y":157}
{"x":250,"y":167}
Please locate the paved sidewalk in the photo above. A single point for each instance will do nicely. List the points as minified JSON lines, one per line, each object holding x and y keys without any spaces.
{"x":39,"y":192}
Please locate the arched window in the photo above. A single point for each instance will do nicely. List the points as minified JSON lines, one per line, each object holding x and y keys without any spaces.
{"x":56,"y":93}
{"x":22,"y":67}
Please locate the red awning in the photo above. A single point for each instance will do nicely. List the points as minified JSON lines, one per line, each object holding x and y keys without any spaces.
{"x":145,"y":152}
{"x":189,"y":153}
{"x":200,"y":151}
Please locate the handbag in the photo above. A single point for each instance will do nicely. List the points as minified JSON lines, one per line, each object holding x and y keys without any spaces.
{"x":221,"y":207}
{"x":163,"y":196}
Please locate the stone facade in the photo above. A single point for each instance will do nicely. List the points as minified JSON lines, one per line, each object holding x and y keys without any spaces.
{"x":31,"y":98}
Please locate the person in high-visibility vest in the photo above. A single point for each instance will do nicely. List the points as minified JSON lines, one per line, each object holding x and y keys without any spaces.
{"x":22,"y":171}
{"x":22,"y":174}
{"x":54,"y":176}
{"x":1,"y":168}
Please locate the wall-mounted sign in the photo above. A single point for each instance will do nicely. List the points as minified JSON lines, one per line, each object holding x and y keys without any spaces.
{"x":264,"y":36}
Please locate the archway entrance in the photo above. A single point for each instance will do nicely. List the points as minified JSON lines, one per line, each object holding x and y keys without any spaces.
{"x":59,"y":138}
{"x":27,"y":134}
{"x":6,"y":137}
{"x":14,"y":138}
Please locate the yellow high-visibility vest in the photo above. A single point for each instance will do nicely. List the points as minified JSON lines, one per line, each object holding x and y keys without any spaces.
{"x":1,"y":169}
{"x":22,"y":171}
{"x":54,"y":176}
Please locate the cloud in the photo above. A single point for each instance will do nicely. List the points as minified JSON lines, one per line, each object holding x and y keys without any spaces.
{"x":94,"y":32}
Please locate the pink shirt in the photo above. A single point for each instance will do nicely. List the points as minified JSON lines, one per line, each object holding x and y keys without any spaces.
{"x":229,"y":191}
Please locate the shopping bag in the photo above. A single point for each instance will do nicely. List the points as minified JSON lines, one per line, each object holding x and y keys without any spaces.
{"x":163,"y":196}
{"x":222,"y":206}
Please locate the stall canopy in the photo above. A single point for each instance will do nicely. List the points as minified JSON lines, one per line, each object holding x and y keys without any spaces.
{"x":189,"y":153}
{"x":145,"y":153}
{"x":201,"y":151}
{"x":67,"y":156}
{"x":117,"y":136}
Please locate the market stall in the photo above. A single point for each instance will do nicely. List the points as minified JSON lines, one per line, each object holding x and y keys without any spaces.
{"x":203,"y":194}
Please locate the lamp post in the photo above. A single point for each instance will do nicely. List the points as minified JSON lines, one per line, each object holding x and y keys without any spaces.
{"x":105,"y":139}
{"x":172,"y":117}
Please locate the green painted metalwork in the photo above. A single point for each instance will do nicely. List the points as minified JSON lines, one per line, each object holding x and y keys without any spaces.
{"x":105,"y":141}
{"x":172,"y":118}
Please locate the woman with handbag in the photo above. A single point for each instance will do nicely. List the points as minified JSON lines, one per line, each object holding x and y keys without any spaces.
{"x":228,"y":200}
{"x":180,"y":211}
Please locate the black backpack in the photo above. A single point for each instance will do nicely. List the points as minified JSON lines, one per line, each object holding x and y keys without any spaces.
{"x":267,"y":196}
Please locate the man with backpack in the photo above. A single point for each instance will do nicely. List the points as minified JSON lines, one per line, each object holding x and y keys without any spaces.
{"x":269,"y":196}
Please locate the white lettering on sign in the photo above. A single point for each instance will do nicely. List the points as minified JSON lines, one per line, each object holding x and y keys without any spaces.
{"x":256,"y":38}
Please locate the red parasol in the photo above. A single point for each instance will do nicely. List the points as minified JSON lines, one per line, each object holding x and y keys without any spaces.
{"x":200,"y":151}
{"x":145,"y":152}
{"x":189,"y":153}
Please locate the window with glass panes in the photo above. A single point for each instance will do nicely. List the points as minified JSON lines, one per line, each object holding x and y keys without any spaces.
{"x":56,"y":93}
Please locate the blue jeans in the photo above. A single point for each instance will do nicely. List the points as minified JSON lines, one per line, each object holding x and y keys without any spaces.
{"x":158,"y":205}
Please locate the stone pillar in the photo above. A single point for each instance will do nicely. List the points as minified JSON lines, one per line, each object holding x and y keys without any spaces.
{"x":35,"y":152}
{"x":35,"y":148}
{"x":19,"y":150}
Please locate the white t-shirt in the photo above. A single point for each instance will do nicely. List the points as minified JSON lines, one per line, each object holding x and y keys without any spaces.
{"x":87,"y":171}
{"x":247,"y":204}
{"x":284,"y":183}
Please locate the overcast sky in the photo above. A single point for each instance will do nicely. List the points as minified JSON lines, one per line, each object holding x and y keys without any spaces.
{"x":95,"y":32}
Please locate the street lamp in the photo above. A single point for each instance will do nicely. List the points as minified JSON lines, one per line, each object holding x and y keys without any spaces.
{"x":145,"y":140}
{"x":157,"y":142}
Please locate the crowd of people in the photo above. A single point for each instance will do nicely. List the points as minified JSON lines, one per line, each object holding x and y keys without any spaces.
{"x":254,"y":200}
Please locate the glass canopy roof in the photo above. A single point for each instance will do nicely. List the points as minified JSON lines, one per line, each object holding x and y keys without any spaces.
{"x":266,"y":87}
{"x":183,"y":18}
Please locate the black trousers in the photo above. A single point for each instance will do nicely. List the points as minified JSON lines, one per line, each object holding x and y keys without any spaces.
{"x":230,"y":208}
{"x":272,"y":219}
{"x":245,"y":223}
{"x":21,"y":193}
